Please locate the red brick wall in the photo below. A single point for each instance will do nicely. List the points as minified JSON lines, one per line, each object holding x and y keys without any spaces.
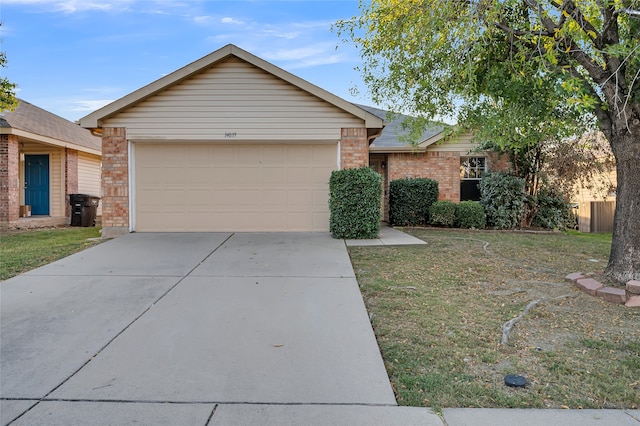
{"x":354,"y":148}
{"x":70,"y":177}
{"x":443,"y":167}
{"x":115,"y":182}
{"x":9,"y":185}
{"x":497,"y":162}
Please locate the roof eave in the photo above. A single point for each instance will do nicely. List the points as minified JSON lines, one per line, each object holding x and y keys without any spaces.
{"x":94,"y":120}
{"x":395,"y":149}
{"x":48,"y":140}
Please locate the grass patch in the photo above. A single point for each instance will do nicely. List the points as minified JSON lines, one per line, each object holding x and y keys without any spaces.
{"x":22,"y":251}
{"x":438,"y":312}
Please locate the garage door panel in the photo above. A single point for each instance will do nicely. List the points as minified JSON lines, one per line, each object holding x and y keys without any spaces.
{"x":274,"y":175}
{"x":299,"y":200}
{"x":276,"y":155}
{"x":323,"y":156}
{"x":321,"y":175}
{"x":248,"y":187}
{"x":300,"y":155}
{"x":320,"y":199}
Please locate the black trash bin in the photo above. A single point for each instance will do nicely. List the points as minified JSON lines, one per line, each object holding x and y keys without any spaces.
{"x":83,"y":209}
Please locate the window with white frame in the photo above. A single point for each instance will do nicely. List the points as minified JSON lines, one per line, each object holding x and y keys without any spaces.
{"x":472,"y":168}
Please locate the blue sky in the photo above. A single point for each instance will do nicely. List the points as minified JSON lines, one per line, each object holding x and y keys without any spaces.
{"x":71,"y":57}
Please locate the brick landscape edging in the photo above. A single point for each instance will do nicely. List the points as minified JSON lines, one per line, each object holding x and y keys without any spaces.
{"x":629,"y":297}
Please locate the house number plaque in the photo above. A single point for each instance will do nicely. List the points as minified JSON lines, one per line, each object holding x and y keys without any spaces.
{"x":230,"y":135}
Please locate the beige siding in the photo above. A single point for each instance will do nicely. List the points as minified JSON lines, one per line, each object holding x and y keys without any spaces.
{"x":56,"y":164}
{"x":214,"y":187}
{"x":600,"y":192}
{"x":234,"y":100}
{"x":89,"y":176}
{"x":461,"y":144}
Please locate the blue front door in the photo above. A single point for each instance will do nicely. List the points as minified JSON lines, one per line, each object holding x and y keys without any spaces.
{"x":36,"y":183}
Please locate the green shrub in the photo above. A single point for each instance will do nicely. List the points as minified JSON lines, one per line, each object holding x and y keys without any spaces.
{"x":470,"y":214}
{"x":410,"y":199}
{"x":442,"y":213}
{"x":354,"y":203}
{"x":552,"y":211}
{"x":503,"y":198}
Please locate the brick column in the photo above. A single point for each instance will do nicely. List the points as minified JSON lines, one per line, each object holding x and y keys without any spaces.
{"x":354,"y":148}
{"x":115,"y":182}
{"x":9,"y":181}
{"x":70,"y":177}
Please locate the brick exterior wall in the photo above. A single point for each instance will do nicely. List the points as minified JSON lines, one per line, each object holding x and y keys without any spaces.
{"x":497,"y":162}
{"x":354,"y":148}
{"x":441,"y":166}
{"x":115,"y":182}
{"x":70,"y":177}
{"x":9,"y":185}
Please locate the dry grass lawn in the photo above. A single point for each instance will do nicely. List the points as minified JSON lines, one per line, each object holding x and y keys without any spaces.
{"x":438,"y":312}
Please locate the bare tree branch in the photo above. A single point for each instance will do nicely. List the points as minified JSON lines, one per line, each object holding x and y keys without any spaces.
{"x":628,"y":11}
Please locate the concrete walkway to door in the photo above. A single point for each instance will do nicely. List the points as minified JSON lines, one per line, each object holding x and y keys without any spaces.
{"x":195,"y":329}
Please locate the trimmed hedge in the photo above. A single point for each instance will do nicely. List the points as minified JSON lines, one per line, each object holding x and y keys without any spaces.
{"x":442,"y":213}
{"x":354,"y":203}
{"x":504,"y":199}
{"x":410,"y":199}
{"x":470,"y":214}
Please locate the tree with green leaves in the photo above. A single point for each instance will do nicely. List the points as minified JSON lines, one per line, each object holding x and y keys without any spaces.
{"x":8,"y":100}
{"x":517,"y":72}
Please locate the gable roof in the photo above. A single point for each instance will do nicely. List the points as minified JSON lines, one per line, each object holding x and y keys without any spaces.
{"x":391,"y":136}
{"x":35,"y":123}
{"x":94,"y":120}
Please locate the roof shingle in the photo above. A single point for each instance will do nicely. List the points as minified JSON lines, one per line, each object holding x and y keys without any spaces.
{"x":30,"y":118}
{"x":393,"y":131}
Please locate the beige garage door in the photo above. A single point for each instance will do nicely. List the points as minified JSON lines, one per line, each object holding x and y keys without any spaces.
{"x":243,"y":187}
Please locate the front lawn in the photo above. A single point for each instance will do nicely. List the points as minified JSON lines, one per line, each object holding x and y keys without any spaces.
{"x":438,"y":312}
{"x":23,"y":251}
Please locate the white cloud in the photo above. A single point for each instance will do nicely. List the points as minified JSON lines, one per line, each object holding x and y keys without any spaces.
{"x":316,"y":61}
{"x":207,"y":19}
{"x":280,"y":34}
{"x":73,"y":6}
{"x":90,"y":105}
{"x":222,"y":38}
{"x":228,"y":20}
{"x":293,"y":54}
{"x":202,"y":19}
{"x":305,"y":56}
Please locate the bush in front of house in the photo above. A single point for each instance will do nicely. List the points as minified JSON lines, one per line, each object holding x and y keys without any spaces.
{"x":470,"y":214}
{"x":552,"y":211}
{"x":410,"y":199}
{"x":503,"y":198}
{"x":354,"y":203}
{"x":442,"y":213}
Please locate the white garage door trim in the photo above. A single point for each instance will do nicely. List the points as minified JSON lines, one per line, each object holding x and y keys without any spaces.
{"x":280,"y":186}
{"x":131,"y":150}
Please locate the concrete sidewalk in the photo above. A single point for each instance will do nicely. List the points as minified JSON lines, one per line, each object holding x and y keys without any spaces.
{"x":210,"y":329}
{"x":387,"y":236}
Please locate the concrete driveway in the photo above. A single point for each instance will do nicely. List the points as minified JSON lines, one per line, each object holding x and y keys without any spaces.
{"x":192,"y":329}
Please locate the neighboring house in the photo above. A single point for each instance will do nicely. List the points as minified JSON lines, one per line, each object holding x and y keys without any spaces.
{"x":234,"y":143}
{"x":455,"y":163}
{"x":43,"y":159}
{"x":595,"y":201}
{"x":595,"y":210}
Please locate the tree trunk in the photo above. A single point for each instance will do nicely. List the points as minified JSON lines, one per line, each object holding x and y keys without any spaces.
{"x":624,"y":260}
